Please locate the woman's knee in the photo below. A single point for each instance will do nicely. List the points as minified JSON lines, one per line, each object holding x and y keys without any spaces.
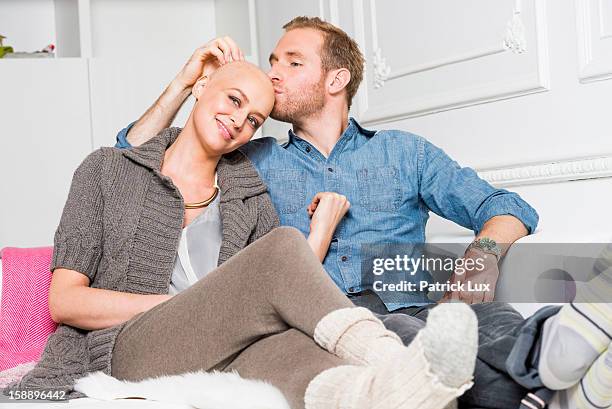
{"x":286,"y":244}
{"x":285,"y":234}
{"x":285,"y":257}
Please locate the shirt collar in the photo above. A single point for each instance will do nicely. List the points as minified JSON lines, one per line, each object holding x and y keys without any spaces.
{"x":351,"y":130}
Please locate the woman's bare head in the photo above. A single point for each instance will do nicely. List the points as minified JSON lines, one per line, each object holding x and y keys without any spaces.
{"x":231,"y":104}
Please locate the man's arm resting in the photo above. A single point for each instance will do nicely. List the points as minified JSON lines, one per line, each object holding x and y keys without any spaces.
{"x":204,"y":61}
{"x":459,"y":194}
{"x":159,"y":116}
{"x":504,"y":229}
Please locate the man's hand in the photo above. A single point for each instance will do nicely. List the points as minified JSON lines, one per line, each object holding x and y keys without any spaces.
{"x":206,"y":59}
{"x":482,"y":276}
{"x":326,"y":211}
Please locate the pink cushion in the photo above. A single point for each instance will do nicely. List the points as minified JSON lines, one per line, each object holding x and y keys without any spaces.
{"x":25,"y":321}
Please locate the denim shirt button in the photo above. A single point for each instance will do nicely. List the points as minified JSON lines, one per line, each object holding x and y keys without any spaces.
{"x":351,"y":289}
{"x":308,"y":149}
{"x":344,"y":258}
{"x":330,"y":169}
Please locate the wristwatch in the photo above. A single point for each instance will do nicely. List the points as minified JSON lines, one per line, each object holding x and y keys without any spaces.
{"x":487,"y":245}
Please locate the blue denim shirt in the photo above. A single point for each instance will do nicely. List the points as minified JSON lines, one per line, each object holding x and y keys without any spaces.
{"x":392,"y":180}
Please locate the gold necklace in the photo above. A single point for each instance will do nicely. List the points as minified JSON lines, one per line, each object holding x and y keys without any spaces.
{"x":198,"y":205}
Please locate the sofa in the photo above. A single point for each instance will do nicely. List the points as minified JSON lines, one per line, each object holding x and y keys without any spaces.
{"x":525,"y":308}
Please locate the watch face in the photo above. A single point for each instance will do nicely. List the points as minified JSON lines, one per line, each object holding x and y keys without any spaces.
{"x":487,"y":244}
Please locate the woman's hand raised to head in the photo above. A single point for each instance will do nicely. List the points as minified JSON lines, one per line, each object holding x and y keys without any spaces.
{"x":326,"y":210}
{"x":207,"y":59}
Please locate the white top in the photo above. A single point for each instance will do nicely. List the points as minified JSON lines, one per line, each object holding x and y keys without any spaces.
{"x":198,"y":251}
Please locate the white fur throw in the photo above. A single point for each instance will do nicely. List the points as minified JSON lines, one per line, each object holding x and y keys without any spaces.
{"x":214,"y":390}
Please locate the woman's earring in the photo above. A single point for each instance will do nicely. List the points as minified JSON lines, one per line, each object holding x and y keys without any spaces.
{"x":201,"y":83}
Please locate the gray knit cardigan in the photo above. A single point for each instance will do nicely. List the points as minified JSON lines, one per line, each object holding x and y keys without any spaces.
{"x":121,"y":227}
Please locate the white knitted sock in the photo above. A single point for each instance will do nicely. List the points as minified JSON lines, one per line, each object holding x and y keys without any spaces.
{"x":406,"y":383}
{"x":450,"y":339}
{"x":445,"y":349}
{"x":357,"y":336}
{"x":345,"y":387}
{"x":452,"y":404}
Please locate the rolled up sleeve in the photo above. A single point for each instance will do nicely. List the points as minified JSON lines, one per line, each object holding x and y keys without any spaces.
{"x":122,"y":142}
{"x":459,"y":194}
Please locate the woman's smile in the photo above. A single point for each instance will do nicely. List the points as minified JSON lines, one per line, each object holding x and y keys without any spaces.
{"x":225,"y":133}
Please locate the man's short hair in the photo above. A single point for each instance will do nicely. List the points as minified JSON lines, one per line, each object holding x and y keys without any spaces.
{"x":339,"y":50}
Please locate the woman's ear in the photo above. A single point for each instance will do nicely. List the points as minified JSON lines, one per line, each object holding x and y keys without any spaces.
{"x":199,"y":85}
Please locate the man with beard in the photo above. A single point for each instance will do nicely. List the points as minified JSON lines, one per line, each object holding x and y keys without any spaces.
{"x":391,"y":178}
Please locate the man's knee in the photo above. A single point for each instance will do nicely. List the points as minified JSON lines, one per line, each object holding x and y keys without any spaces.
{"x":405,"y":326}
{"x":498,"y":317}
{"x":497,"y":309}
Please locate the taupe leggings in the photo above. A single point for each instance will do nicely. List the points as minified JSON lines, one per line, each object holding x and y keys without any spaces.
{"x":255,"y":314}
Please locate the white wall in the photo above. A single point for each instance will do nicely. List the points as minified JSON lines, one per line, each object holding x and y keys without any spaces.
{"x":28,"y":25}
{"x":137,"y":49}
{"x":45,"y":135}
{"x":567,"y":118}
{"x":235,"y":23}
{"x":55,"y":111}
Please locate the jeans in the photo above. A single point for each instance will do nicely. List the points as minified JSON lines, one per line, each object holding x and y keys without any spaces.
{"x":502,"y":334}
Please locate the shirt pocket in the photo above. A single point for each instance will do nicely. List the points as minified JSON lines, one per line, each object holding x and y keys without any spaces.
{"x":379,"y":188}
{"x":289,"y":189}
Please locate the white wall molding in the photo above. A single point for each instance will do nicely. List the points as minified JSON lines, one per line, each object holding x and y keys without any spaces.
{"x":493,"y":49}
{"x":322,"y":9}
{"x":329,"y":10}
{"x":594,"y":42}
{"x":334,"y":12}
{"x":85,"y":33}
{"x":360,"y":37}
{"x":254,"y":58}
{"x":537,"y":81}
{"x":552,"y":172}
{"x":604,"y":31}
{"x":443,"y":62}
